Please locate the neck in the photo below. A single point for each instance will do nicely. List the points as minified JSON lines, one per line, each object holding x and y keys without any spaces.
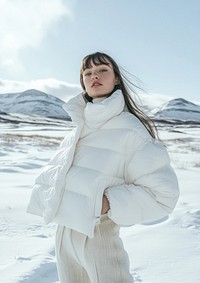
{"x":98,"y":99}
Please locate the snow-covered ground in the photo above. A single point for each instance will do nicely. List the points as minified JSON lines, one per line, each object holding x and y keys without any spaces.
{"x":167,"y":251}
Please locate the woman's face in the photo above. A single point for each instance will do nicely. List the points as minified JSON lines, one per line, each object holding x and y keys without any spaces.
{"x":99,"y":80}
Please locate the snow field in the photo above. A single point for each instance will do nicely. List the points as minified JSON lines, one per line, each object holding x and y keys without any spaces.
{"x":165,"y":251}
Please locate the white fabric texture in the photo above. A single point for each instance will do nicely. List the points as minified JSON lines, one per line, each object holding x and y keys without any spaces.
{"x":110,"y":151}
{"x":97,"y":260}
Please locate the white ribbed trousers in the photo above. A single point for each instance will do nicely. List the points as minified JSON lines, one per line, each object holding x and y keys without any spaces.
{"x":101,"y":259}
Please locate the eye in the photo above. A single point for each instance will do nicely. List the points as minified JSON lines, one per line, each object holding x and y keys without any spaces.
{"x":103,"y":70}
{"x":86,"y":74}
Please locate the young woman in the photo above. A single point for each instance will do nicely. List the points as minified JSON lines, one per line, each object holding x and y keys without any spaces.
{"x":110,"y":171}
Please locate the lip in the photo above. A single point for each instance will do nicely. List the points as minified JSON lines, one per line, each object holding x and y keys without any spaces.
{"x":96,"y":84}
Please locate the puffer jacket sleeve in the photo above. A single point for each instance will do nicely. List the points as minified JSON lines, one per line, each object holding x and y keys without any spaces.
{"x":151,"y":188}
{"x":48,"y":188}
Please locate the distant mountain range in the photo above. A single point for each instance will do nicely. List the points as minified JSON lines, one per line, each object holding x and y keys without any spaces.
{"x":178,"y":109}
{"x":33,"y":102}
{"x":36,"y":103}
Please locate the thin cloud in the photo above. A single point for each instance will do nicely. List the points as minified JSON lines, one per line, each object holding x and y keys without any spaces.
{"x":24,"y":24}
{"x":60,"y":89}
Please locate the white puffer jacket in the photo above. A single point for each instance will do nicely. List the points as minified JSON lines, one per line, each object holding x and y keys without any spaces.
{"x":111,"y":152}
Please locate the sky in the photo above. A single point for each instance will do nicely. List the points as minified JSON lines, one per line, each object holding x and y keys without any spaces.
{"x":43,"y":43}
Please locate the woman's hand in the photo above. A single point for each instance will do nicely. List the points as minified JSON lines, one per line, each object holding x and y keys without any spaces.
{"x":105,"y":205}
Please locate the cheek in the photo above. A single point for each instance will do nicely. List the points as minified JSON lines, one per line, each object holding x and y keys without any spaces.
{"x":113,"y":81}
{"x":110,"y":79}
{"x":85,"y":84}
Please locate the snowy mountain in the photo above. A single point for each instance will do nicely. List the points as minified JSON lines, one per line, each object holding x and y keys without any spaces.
{"x":33,"y":102}
{"x":178,"y":109}
{"x":36,"y":103}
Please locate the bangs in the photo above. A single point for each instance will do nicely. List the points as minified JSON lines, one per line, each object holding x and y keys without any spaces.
{"x":96,"y":59}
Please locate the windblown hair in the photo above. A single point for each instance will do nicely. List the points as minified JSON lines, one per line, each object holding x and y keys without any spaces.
{"x":99,"y":58}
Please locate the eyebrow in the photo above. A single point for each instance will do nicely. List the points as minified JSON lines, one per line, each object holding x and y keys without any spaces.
{"x":100,"y":65}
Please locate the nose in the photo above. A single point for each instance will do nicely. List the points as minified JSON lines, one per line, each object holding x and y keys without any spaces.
{"x":95,"y":75}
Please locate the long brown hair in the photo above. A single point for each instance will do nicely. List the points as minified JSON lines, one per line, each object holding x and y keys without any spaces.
{"x":100,"y":58}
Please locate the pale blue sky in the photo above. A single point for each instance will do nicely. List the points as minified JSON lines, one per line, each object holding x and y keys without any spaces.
{"x":156,"y":40}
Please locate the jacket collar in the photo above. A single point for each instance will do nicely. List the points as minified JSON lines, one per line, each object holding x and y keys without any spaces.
{"x":75,"y":108}
{"x":95,"y":114}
